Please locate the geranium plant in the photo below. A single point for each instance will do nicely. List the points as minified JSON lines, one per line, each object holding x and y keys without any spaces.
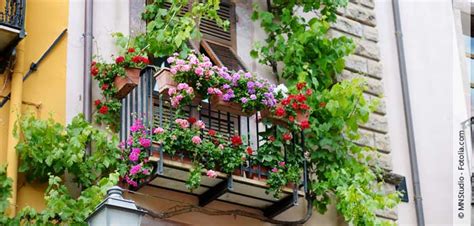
{"x":135,"y":151}
{"x":196,"y":69}
{"x":182,"y":95}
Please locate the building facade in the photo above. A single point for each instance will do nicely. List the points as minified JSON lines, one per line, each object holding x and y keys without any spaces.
{"x":433,"y":63}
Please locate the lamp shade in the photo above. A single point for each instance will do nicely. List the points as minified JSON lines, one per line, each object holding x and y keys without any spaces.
{"x":116,"y":211}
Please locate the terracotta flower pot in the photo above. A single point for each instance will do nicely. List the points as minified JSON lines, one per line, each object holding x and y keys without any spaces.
{"x":164,"y":80}
{"x":234,"y":108}
{"x":125,"y":84}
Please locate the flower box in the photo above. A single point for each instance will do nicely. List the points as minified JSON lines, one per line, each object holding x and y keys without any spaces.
{"x":164,"y":80}
{"x":125,"y":84}
{"x":283,"y":121}
{"x":232,"y":107}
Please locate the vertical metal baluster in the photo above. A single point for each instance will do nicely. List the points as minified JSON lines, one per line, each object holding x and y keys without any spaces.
{"x":160,"y":111}
{"x":239,"y":130}
{"x":258,"y":144}
{"x":210,"y":116}
{"x":248,"y":144}
{"x":305,"y":169}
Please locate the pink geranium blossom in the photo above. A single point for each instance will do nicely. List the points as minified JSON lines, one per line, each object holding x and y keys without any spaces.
{"x":196,"y":140}
{"x":211,"y":174}
{"x":135,"y":169}
{"x":134,"y":154}
{"x":145,"y":142}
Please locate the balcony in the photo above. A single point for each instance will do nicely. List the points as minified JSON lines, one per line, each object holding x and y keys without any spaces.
{"x":246,"y":186}
{"x":12,"y":20}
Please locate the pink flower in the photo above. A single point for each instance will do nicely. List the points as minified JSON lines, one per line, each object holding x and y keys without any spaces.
{"x":282,"y":164}
{"x":200,"y":124}
{"x":145,"y":171}
{"x":210,"y":91}
{"x":221,"y":147}
{"x":275,"y":170}
{"x":145,"y":142}
{"x":135,"y":169}
{"x":130,"y":141}
{"x":199,"y":71}
{"x":170,"y":60}
{"x":182,"y":123}
{"x":211,"y":174}
{"x":134,"y":154}
{"x":196,"y":140}
{"x":158,"y":130}
{"x":174,"y":70}
{"x":182,"y":86}
{"x":171,"y":91}
{"x":131,"y":182}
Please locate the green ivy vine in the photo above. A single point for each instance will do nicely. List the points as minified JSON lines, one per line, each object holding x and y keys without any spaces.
{"x":339,"y":168}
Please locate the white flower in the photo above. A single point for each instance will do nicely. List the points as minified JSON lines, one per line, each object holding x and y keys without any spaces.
{"x":282,"y":89}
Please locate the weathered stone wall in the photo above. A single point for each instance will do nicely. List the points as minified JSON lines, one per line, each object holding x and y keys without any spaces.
{"x":358,"y":22}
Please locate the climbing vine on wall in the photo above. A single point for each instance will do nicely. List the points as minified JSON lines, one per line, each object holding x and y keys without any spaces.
{"x":338,"y":166}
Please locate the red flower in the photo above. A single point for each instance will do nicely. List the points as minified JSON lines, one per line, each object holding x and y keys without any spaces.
{"x":105,"y":86}
{"x":304,"y":107}
{"x":287,"y":136}
{"x":136,"y":59}
{"x":301,"y":98}
{"x":119,"y":59}
{"x":236,"y":140}
{"x":280,"y":112}
{"x":309,"y":92}
{"x":285,"y":101}
{"x":300,"y":85}
{"x":94,"y":70}
{"x":294,"y":105}
{"x":131,"y":50}
{"x":249,"y":151}
{"x":291,"y":118}
{"x":271,"y":138}
{"x":304,"y":124}
{"x":322,"y":104}
{"x":212,"y":132}
{"x":191,"y":120}
{"x":145,"y":60}
{"x":103,"y":110}
{"x":93,"y":63}
{"x":97,"y":102}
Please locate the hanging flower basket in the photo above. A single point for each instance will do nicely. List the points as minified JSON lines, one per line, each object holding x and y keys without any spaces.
{"x":125,"y":84}
{"x":234,"y":108}
{"x":164,"y":80}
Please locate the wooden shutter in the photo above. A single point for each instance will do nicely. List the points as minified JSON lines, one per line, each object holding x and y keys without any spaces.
{"x":211,"y":31}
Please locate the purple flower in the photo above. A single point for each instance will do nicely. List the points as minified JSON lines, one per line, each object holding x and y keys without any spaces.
{"x":253,"y":97}
{"x":225,"y":86}
{"x":243,"y":100}
{"x":226,"y":97}
{"x":248,"y":75}
{"x":259,"y":84}
{"x":250,"y":84}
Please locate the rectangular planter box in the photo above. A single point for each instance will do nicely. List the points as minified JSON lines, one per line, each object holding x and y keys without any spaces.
{"x":234,"y":108}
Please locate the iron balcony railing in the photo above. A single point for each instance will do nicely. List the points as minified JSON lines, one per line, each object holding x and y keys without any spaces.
{"x":13,"y":14}
{"x":154,"y":109}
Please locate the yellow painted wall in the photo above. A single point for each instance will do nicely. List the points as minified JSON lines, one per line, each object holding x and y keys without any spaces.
{"x":45,"y":20}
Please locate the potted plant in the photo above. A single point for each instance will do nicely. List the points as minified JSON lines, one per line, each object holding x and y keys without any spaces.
{"x":196,"y":70}
{"x":131,"y":63}
{"x":292,"y":109}
{"x":242,"y":93}
{"x":135,"y":152}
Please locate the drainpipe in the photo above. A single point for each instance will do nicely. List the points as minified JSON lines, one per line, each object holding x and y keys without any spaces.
{"x":87,"y":92}
{"x":14,"y":115}
{"x":408,"y":117}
